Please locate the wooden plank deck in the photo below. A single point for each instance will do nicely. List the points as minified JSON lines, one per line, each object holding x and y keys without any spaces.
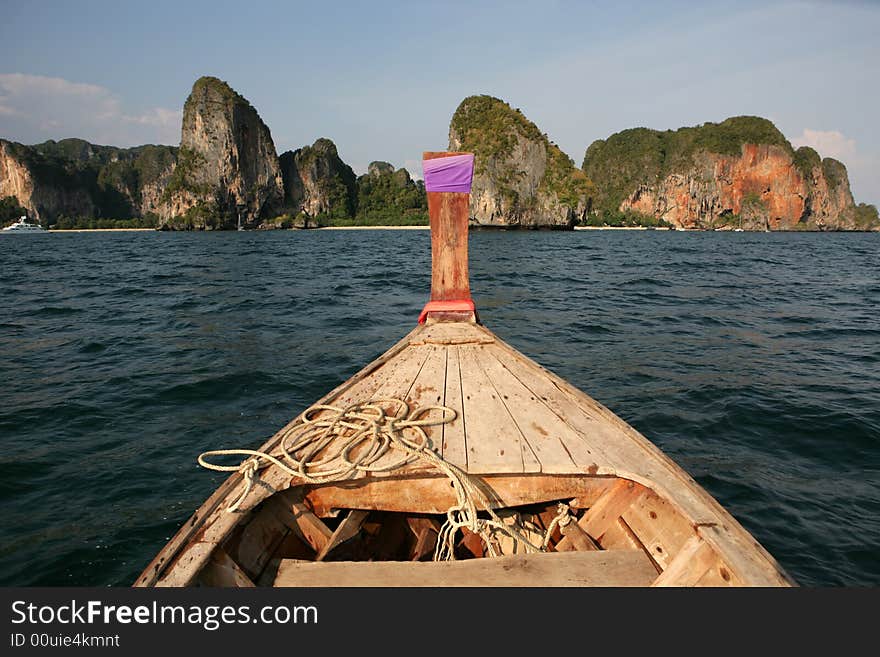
{"x":454,"y":446}
{"x":512,"y":417}
{"x":494,"y":440}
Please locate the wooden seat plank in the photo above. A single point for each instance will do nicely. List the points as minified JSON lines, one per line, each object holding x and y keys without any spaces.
{"x":602,"y":568}
{"x":258,"y":540}
{"x":298,"y":518}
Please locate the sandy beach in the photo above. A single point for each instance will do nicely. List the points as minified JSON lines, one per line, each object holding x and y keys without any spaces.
{"x":374,"y":228}
{"x":130,"y":230}
{"x":99,"y":230}
{"x":610,"y":228}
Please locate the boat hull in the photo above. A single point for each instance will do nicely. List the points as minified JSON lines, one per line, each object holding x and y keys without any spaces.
{"x":529,"y":440}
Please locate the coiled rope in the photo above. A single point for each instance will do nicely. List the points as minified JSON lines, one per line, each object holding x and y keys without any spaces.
{"x":333,"y":444}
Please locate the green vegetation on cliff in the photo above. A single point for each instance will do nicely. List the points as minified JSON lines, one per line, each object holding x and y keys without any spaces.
{"x":10,"y":211}
{"x":630,"y":218}
{"x":152,"y":162}
{"x":339,"y":199}
{"x":492,"y":130}
{"x":114,"y":165}
{"x":208,"y":85}
{"x":806,"y":160}
{"x":107,"y":180}
{"x":332,"y":179}
{"x":488,"y":127}
{"x":183,"y":177}
{"x":627,"y":159}
{"x":321,"y":189}
{"x":390,"y":198}
{"x":50,"y":166}
{"x":570,"y":185}
{"x":617,"y":165}
{"x":835,"y":173}
{"x":866,"y":216}
{"x":68,"y":223}
{"x":204,"y":215}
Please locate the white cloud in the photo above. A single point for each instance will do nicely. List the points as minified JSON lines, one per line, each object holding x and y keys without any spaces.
{"x":862,"y":167}
{"x":34,"y":108}
{"x":830,"y":143}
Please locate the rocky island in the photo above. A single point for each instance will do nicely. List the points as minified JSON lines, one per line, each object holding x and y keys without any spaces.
{"x":55,"y":182}
{"x":226,"y":173}
{"x":521,"y":178}
{"x":740,"y":173}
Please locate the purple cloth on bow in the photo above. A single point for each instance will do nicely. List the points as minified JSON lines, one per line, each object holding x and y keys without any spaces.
{"x":449,"y":174}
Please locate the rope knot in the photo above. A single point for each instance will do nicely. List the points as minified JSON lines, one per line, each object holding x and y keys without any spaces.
{"x":328,"y":444}
{"x":248,"y":468}
{"x":563,"y":512}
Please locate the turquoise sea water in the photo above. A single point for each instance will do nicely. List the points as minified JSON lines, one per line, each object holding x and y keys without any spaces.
{"x":753,"y":360}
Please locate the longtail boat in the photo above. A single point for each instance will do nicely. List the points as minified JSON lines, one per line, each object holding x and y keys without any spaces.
{"x":455,"y":460}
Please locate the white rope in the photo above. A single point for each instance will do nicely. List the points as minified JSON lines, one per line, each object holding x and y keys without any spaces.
{"x":329,"y":444}
{"x":563,"y":517}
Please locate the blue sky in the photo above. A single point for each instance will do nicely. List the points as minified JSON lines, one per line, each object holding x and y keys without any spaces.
{"x":382,"y":79}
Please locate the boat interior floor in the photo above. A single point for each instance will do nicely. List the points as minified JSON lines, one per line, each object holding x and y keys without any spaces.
{"x":610,"y":532}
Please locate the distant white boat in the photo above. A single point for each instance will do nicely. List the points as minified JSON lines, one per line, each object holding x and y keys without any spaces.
{"x":22,"y":226}
{"x":737,"y":230}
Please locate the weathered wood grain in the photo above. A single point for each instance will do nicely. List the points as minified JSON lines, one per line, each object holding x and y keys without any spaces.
{"x":347,"y":529}
{"x":614,"y":568}
{"x":494,"y":443}
{"x":223,"y":571}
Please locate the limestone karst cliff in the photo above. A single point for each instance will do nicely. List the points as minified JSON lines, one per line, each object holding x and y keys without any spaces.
{"x":741,"y":173}
{"x":317,"y":182}
{"x":227,"y":170}
{"x":73,"y":178}
{"x":521,"y":179}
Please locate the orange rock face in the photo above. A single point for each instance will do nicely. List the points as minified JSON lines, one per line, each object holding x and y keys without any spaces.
{"x":18,"y":179}
{"x":15,"y":178}
{"x":769,"y":174}
{"x":760,"y":189}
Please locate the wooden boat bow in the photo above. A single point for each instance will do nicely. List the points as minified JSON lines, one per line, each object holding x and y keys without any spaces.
{"x":530,"y":440}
